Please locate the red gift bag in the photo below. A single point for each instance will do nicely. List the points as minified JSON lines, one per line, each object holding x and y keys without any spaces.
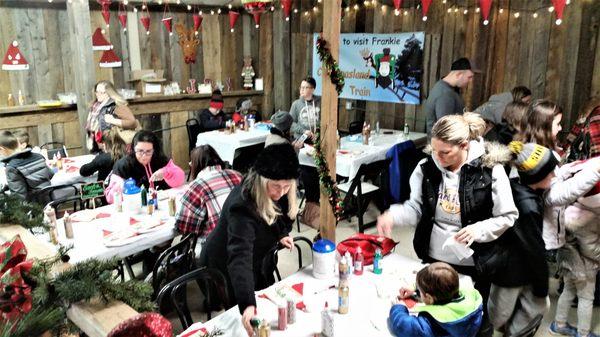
{"x":367,"y":243}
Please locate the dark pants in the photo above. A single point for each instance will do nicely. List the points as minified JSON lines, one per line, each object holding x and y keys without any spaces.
{"x":310,"y":179}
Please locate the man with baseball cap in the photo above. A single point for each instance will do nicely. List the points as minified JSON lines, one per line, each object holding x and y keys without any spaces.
{"x":444,"y":98}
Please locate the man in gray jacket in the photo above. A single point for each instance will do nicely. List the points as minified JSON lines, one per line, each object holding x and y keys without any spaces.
{"x":306,"y":110}
{"x":444,"y":98}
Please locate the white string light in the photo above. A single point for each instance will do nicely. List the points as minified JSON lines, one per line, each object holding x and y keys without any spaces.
{"x":315,"y":9}
{"x":295,"y":10}
{"x":477,"y":10}
{"x":449,"y":10}
{"x":466,"y":11}
{"x":405,"y":13}
{"x":551,"y":9}
{"x":516,"y":15}
{"x":501,"y":10}
{"x":535,"y":15}
{"x":219,"y":11}
{"x":189,"y":7}
{"x":396,"y":12}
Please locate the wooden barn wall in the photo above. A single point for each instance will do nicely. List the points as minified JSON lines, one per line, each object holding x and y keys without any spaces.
{"x":561,"y":63}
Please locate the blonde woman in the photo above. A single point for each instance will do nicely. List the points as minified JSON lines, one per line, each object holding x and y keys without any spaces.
{"x":108,"y":110}
{"x":255,"y":216}
{"x":460,"y":197}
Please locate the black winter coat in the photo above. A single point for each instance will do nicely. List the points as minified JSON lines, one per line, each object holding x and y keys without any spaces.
{"x":210,"y":122}
{"x":242,"y":244}
{"x":129,"y":167}
{"x":27,"y":174}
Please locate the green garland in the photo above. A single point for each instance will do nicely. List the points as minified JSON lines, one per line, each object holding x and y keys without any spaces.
{"x":335,"y":75}
{"x":13,"y":210}
{"x":327,"y":183}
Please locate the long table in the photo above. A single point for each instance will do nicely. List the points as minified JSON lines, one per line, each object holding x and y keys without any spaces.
{"x":226,"y":143}
{"x":370,"y":300}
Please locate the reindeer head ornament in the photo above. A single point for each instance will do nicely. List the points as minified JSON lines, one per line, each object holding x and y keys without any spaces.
{"x":188,"y":41}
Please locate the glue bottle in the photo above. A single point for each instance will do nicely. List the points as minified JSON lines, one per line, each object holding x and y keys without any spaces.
{"x":377,"y":267}
{"x":358,"y":262}
{"x":326,"y":322}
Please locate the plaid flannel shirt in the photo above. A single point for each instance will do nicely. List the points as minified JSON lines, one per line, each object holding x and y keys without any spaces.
{"x":593,"y":130}
{"x":202,"y":202}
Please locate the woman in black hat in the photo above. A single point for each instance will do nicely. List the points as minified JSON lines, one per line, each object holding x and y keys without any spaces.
{"x":255,"y":216}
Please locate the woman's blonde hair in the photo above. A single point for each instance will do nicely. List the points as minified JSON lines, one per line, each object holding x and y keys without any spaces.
{"x":111,"y":92}
{"x":266,"y":208}
{"x":458,"y":129}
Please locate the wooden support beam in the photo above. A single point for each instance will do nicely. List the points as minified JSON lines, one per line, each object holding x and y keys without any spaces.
{"x":329,"y":111}
{"x":82,"y":58}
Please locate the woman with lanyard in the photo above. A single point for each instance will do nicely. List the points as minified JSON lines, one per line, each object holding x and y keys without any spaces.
{"x":108,"y":110}
{"x":147,"y":165}
{"x":305,"y":110}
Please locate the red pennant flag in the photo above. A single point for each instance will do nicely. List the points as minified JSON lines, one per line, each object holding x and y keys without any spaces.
{"x":167,"y":22}
{"x":197,"y":21}
{"x":287,"y":8}
{"x":106,"y":15}
{"x":123,"y":20}
{"x":146,"y":23}
{"x":397,"y":4}
{"x":256,"y":19}
{"x":559,"y":6}
{"x":233,"y":16}
{"x":425,"y":4}
{"x":485,"y":5}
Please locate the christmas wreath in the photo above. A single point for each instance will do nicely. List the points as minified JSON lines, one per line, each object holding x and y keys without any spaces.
{"x":333,"y":69}
{"x":327,"y":183}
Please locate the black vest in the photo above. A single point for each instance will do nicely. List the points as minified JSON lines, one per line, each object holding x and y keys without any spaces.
{"x":475,"y":195}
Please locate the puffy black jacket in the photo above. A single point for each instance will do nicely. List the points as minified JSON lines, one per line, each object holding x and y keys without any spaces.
{"x":27,"y":174}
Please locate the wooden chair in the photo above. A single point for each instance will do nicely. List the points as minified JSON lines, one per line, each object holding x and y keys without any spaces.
{"x":359,"y":193}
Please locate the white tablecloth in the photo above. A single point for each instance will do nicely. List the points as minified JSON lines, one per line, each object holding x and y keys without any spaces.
{"x":70,"y":173}
{"x":370,"y":302}
{"x":226,"y":143}
{"x":353,"y":153}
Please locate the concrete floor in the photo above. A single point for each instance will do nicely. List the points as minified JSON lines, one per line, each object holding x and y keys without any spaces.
{"x":288,"y":264}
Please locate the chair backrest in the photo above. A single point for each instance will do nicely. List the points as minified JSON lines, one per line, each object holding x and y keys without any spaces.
{"x":72,"y":204}
{"x":355,"y":127}
{"x":61,"y":195}
{"x":175,"y":291}
{"x":370,"y":171}
{"x":54,"y":148}
{"x":193,"y":127}
{"x":531,"y":328}
{"x":297,"y":241}
{"x":173,"y":262}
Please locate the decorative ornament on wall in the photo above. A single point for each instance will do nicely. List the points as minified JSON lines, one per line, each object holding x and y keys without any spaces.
{"x":485,"y":5}
{"x":167,"y":19}
{"x":559,"y":6}
{"x":397,"y":5}
{"x":188,"y":41}
{"x":122,"y":15}
{"x":233,"y":16}
{"x":256,"y":8}
{"x":99,"y":42}
{"x":110,"y":60}
{"x":13,"y":59}
{"x":287,"y":8}
{"x":425,"y":5}
{"x":197,"y":17}
{"x":145,"y":18}
{"x":105,"y":10}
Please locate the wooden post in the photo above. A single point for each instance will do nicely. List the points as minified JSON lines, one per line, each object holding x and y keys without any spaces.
{"x":82,"y":58}
{"x":329,"y":110}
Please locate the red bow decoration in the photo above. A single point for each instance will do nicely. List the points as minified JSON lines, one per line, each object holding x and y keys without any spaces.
{"x":559,"y":6}
{"x":425,"y":4}
{"x":15,"y":294}
{"x":485,"y":5}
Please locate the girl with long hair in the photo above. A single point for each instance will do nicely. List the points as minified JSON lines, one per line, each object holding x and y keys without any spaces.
{"x":113,"y":148}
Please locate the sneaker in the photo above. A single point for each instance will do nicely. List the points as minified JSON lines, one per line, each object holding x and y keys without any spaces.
{"x":590,"y":334}
{"x":567,"y":330}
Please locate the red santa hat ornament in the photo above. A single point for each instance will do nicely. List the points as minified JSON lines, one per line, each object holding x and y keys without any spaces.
{"x":168,"y":22}
{"x":256,"y":8}
{"x":256,"y":19}
{"x":233,"y":16}
{"x":99,"y":42}
{"x":287,"y":8}
{"x":397,"y":5}
{"x":145,"y":20}
{"x":13,"y":59}
{"x":559,"y":6}
{"x":485,"y":5}
{"x":197,"y":22}
{"x":105,"y":11}
{"x":425,"y":4}
{"x":110,"y":60}
{"x":122,"y":16}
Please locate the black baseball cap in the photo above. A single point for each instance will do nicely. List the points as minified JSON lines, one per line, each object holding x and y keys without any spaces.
{"x":464,"y":63}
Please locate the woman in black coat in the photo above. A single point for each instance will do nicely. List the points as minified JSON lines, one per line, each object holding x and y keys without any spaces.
{"x":255,"y":217}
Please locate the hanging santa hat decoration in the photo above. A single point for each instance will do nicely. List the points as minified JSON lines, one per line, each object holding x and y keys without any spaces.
{"x":559,"y":6}
{"x":256,"y":8}
{"x":197,"y":22}
{"x":233,"y":16}
{"x":287,"y":8}
{"x":485,"y":5}
{"x":105,"y":11}
{"x":425,"y":4}
{"x":13,"y":59}
{"x":167,"y":19}
{"x":145,"y":18}
{"x":110,"y":60}
{"x":122,"y":16}
{"x":99,"y":42}
{"x":397,"y":5}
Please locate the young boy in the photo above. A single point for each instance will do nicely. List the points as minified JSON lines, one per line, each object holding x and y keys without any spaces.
{"x":447,"y":311}
{"x":22,"y":139}
{"x":26,"y":172}
{"x":517,"y":262}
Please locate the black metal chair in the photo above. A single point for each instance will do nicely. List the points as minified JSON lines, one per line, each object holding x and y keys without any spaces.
{"x":355,"y":127}
{"x":176,"y":294}
{"x":193,"y":127}
{"x":359,"y":192}
{"x":297,"y":240}
{"x":53,"y":148}
{"x":531,"y":328}
{"x":60,"y":195}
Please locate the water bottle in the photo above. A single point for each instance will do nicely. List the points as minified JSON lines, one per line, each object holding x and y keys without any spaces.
{"x":377,"y":267}
{"x":132,"y":199}
{"x":406,"y":130}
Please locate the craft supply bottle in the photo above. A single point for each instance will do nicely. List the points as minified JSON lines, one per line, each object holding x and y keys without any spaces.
{"x":377,"y":266}
{"x":118,"y":202}
{"x":51,"y":214}
{"x":282,"y":317}
{"x":255,"y":323}
{"x":406,"y":130}
{"x":343,"y":268}
{"x":343,"y":297}
{"x":349,"y":262}
{"x":377,"y":130}
{"x":21,"y":98}
{"x":68,"y":223}
{"x":11,"y":100}
{"x":172,"y":206}
{"x":364,"y":134}
{"x":150,"y":207}
{"x":265,"y":329}
{"x":144,"y":194}
{"x":59,"y":163}
{"x":358,"y":262}
{"x":291,"y":311}
{"x":155,"y":198}
{"x":326,"y":322}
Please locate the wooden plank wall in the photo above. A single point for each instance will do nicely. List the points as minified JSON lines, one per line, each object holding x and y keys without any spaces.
{"x":560,"y":63}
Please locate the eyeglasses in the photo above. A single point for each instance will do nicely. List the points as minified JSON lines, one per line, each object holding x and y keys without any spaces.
{"x":142,"y":153}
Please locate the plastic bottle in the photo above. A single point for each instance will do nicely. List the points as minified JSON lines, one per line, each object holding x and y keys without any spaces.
{"x":349,"y":262}
{"x":359,"y":260}
{"x":282,"y":317}
{"x":264,"y":330}
{"x":144,"y":194}
{"x":343,"y":268}
{"x":326,"y":322}
{"x":150,"y":206}
{"x":377,"y":267}
{"x":131,"y":197}
{"x":343,"y":297}
{"x":118,"y":201}
{"x":67,"y":222}
{"x":51,"y":215}
{"x":406,"y":130}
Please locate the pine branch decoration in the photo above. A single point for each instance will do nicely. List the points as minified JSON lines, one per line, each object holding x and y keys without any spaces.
{"x":14,"y":210}
{"x":335,"y":74}
{"x":327,"y":183}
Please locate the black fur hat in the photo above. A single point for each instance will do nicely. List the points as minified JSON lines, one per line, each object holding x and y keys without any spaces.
{"x":277,"y":162}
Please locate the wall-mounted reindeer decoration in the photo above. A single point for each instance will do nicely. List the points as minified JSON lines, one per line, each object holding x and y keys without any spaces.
{"x":188,"y":41}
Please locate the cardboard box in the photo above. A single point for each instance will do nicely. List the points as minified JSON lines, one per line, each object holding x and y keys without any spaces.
{"x":148,"y":81}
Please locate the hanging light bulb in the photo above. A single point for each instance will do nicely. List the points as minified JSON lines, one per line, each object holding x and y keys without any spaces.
{"x":535,"y":15}
{"x":212,"y":12}
{"x":315,"y":9}
{"x":306,"y":13}
{"x":383,"y":8}
{"x":125,"y":2}
{"x":347,"y":9}
{"x":449,"y":10}
{"x":229,"y":6}
{"x":159,"y":2}
{"x":189,"y":7}
{"x":179,"y":2}
{"x":501,"y":10}
{"x":466,"y":11}
{"x":551,"y":9}
{"x":558,"y":22}
{"x":356,"y":7}
{"x":272,"y":8}
{"x":444,"y":2}
{"x":568,"y":2}
{"x":405,"y":13}
{"x":135,"y":10}
{"x":219,"y":11}
{"x":396,"y":12}
{"x":295,"y":10}
{"x":144,"y":6}
{"x":200,"y":12}
{"x":50,"y":1}
{"x":517,"y":14}
{"x":374,"y":2}
{"x":456,"y":10}
{"x":485,"y":22}
{"x":477,"y":10}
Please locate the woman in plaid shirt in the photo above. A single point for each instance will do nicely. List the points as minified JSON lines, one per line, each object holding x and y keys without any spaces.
{"x":202,"y":202}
